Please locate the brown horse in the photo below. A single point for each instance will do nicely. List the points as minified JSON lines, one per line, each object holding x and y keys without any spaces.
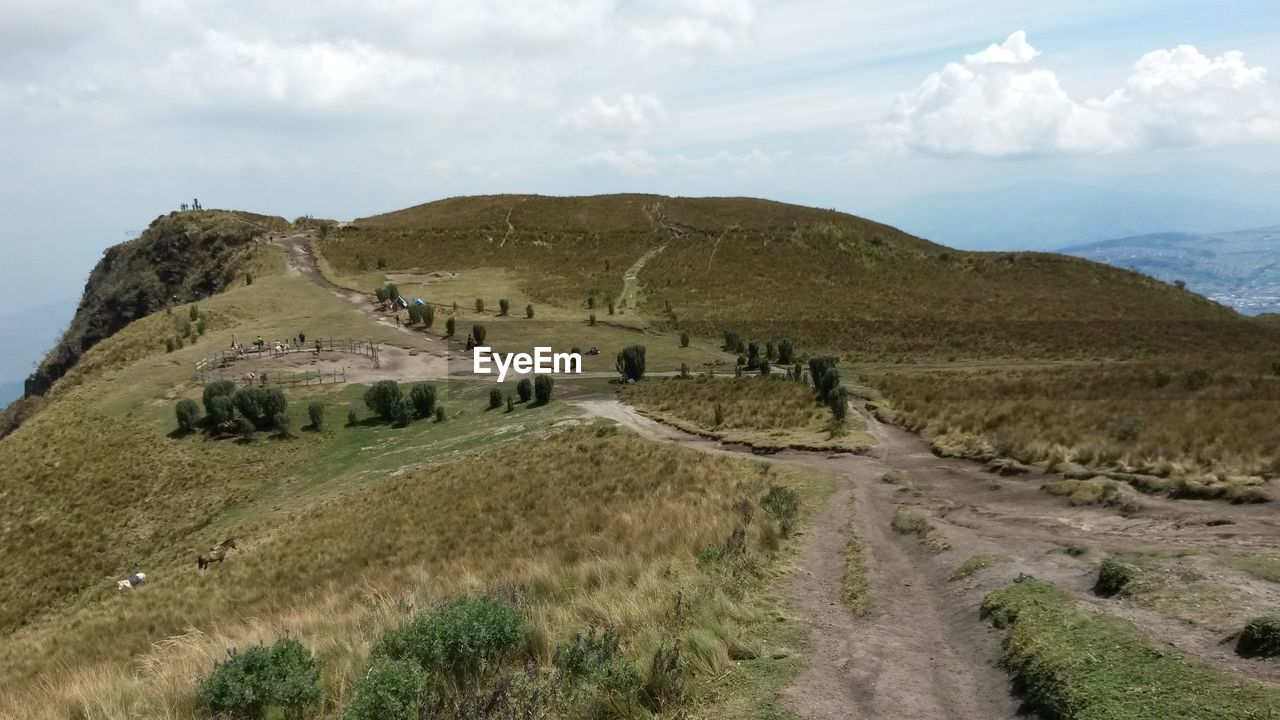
{"x":216,"y":553}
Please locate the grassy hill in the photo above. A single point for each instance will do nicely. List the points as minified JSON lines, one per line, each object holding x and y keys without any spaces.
{"x":828,"y":280}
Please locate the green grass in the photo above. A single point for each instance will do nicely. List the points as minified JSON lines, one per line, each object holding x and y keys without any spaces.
{"x":972,"y":565}
{"x":1261,"y":566}
{"x":1073,"y":664}
{"x":855,"y":588}
{"x":907,"y":521}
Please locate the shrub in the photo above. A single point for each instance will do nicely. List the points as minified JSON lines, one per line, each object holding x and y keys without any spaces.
{"x":402,"y":415}
{"x":393,"y":292}
{"x":391,"y":690}
{"x":383,"y":398}
{"x":719,"y":415}
{"x":495,"y":398}
{"x":283,"y":424}
{"x":427,"y":314}
{"x":786,"y":353}
{"x":684,"y":339}
{"x":439,"y":413}
{"x":194,"y":312}
{"x":684,"y":370}
{"x":504,"y":306}
{"x":839,"y":402}
{"x":664,"y":690}
{"x":524,"y":389}
{"x":610,"y":307}
{"x":1113,"y":576}
{"x":248,"y":278}
{"x":731,"y":340}
{"x":783,"y":505}
{"x":478,"y":332}
{"x":352,"y":417}
{"x":591,"y":319}
{"x":221,"y":410}
{"x":591,"y":302}
{"x":315,"y":413}
{"x":1260,"y":638}
{"x":215,"y":389}
{"x":630,"y":362}
{"x":583,"y":656}
{"x":479,"y":305}
{"x":825,"y":377}
{"x":169,"y":345}
{"x":282,"y":679}
{"x":423,"y":398}
{"x":765,"y":367}
{"x":528,"y":311}
{"x":542,"y":386}
{"x":511,"y":403}
{"x":188,"y":415}
{"x":450,"y":326}
{"x":260,"y":405}
{"x":380,"y":293}
{"x":461,"y":643}
{"x":245,"y":428}
{"x":1130,"y":429}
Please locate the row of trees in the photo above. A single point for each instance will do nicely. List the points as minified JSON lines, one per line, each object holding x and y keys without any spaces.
{"x":387,"y":401}
{"x":230,"y":411}
{"x":538,"y":390}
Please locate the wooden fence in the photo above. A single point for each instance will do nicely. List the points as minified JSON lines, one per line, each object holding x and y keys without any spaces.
{"x":241,"y":366}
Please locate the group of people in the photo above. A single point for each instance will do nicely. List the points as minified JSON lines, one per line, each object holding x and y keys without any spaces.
{"x":277,"y":347}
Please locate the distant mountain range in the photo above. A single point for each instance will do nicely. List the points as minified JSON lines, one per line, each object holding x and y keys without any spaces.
{"x":1240,"y":268}
{"x":1043,"y":215}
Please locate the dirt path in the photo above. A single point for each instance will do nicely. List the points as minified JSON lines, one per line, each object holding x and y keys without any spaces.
{"x":631,"y":280}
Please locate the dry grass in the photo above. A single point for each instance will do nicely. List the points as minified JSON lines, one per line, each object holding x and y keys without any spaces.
{"x":593,"y":526}
{"x":908,"y":521}
{"x":1188,"y":428}
{"x":762,"y":411}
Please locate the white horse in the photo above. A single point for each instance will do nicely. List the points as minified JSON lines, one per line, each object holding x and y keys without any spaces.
{"x":132,"y":581}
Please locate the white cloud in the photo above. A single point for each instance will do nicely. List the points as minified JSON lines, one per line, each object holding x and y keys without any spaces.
{"x":995,"y":103}
{"x":628,"y":114}
{"x":642,"y":162}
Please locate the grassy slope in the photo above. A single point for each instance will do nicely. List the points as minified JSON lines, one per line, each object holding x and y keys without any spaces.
{"x":847,"y":283}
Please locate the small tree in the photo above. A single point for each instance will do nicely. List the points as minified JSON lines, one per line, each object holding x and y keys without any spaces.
{"x":413,"y":315}
{"x":524,"y":389}
{"x":450,"y":326}
{"x":315,"y":413}
{"x":383,"y":398}
{"x":283,"y":424}
{"x":194,"y":312}
{"x":380,"y":293}
{"x":402,"y":414}
{"x":427,"y":315}
{"x":511,"y":403}
{"x":440,"y":413}
{"x":610,"y":307}
{"x":732,"y":340}
{"x":215,"y":389}
{"x":221,"y":410}
{"x":352,"y":418}
{"x":283,"y":680}
{"x":591,"y":319}
{"x":479,"y":305}
{"x":495,"y":398}
{"x":753,"y":356}
{"x":169,"y":345}
{"x":504,"y":306}
{"x":591,"y":301}
{"x":684,"y":339}
{"x":188,"y":415}
{"x":479,"y":333}
{"x":393,"y":292}
{"x":839,"y":402}
{"x":528,"y":311}
{"x":248,"y":278}
{"x":630,"y":362}
{"x":765,"y":367}
{"x":719,"y":415}
{"x":786,"y":353}
{"x":542,"y":387}
{"x":423,"y":398}
{"x":684,"y":370}
{"x":768,"y":351}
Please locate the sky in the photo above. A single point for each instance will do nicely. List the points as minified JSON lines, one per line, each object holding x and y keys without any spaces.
{"x":113,"y":113}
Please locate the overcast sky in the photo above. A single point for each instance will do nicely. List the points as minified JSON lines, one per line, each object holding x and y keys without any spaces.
{"x":112,"y":113}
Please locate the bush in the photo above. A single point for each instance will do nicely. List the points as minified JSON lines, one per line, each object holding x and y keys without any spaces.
{"x":524,"y":389}
{"x":250,"y":403}
{"x":221,"y":410}
{"x":380,"y":293}
{"x":215,"y":389}
{"x":393,"y":292}
{"x":315,"y":413}
{"x":588,"y":652}
{"x":479,"y":305}
{"x":245,"y":428}
{"x":427,"y":314}
{"x":684,"y":339}
{"x":188,"y":415}
{"x":423,"y":398}
{"x":839,"y":402}
{"x":783,"y":505}
{"x":664,"y":690}
{"x":786,"y":353}
{"x":542,"y":387}
{"x":719,"y":415}
{"x":391,"y":690}
{"x":528,"y":311}
{"x":248,"y":278}
{"x":825,"y":377}
{"x":732,"y":340}
{"x":504,"y":306}
{"x":402,"y":415}
{"x":511,"y":403}
{"x":610,"y":307}
{"x":450,"y":327}
{"x":591,"y":319}
{"x":283,"y":424}
{"x":478,"y":332}
{"x":630,"y":362}
{"x":194,"y":313}
{"x":352,"y":417}
{"x":1113,"y":577}
{"x":495,"y":398}
{"x":169,"y":345}
{"x":765,"y":367}
{"x":383,"y":398}
{"x":461,"y":643}
{"x":1260,"y":638}
{"x":282,"y":679}
{"x":591,"y":302}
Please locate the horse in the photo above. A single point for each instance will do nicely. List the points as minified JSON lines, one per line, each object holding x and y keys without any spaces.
{"x":215,"y":554}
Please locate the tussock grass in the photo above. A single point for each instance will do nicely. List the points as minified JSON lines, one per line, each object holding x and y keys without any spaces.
{"x":856,"y":587}
{"x":972,"y":565}
{"x":907,"y":521}
{"x":768,"y":411}
{"x":1071,"y":663}
{"x":1182,"y":427}
{"x":1094,"y":491}
{"x":589,"y":527}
